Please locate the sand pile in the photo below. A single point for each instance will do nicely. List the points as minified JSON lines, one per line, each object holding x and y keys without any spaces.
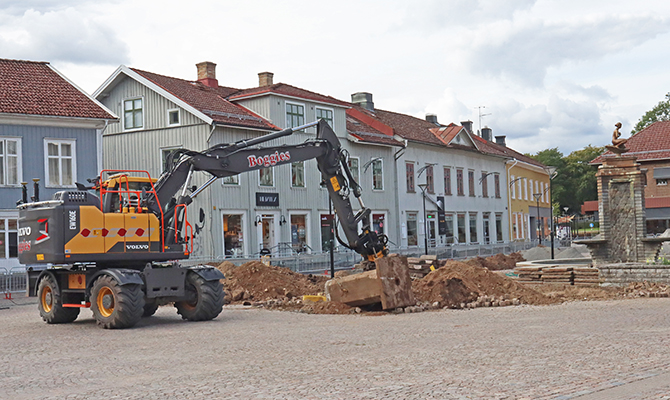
{"x":497,"y":262}
{"x":537,"y":253}
{"x":569,"y":253}
{"x":457,"y":283}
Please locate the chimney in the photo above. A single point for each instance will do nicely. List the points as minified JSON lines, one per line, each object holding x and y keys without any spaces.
{"x":487,"y":134}
{"x":501,"y":140}
{"x":265,"y":78}
{"x":364,"y":100}
{"x":432,"y":118}
{"x":467,"y":125}
{"x":207,"y":74}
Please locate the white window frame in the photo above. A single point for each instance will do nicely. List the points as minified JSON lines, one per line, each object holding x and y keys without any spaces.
{"x":235,"y":184}
{"x":19,"y":161}
{"x":272,"y":169}
{"x":357,"y":177}
{"x":246,"y":234}
{"x":308,"y":227}
{"x":123,"y":113}
{"x":162,"y":150}
{"x":169,"y":111}
{"x":304,"y":175}
{"x":372,"y":174}
{"x":513,"y":194}
{"x":304,"y":112}
{"x":332,"y":110}
{"x":6,"y":260}
{"x":73,"y":146}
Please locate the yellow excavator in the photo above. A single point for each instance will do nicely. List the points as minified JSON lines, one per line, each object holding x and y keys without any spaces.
{"x":115,"y":246}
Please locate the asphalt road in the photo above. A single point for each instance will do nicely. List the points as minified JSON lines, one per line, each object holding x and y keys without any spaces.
{"x":579,"y":350}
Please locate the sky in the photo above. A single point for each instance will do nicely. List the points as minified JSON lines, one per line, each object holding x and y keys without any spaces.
{"x":546,"y":74}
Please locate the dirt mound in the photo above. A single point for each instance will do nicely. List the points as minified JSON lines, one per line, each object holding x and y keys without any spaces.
{"x":257,"y":281}
{"x":458,"y":282}
{"x":497,"y":262}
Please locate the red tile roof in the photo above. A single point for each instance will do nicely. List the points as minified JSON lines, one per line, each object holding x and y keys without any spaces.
{"x":405,"y":126}
{"x":497,"y":149}
{"x":288,"y":90}
{"x":358,"y":128}
{"x":209,"y":101}
{"x":590,"y":206}
{"x":651,"y":143}
{"x":446,"y":133}
{"x":34,"y":88}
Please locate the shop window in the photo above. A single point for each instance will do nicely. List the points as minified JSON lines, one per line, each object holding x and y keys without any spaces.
{"x":233,"y":239}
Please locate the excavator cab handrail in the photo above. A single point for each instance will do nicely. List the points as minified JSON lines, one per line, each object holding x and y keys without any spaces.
{"x":123,"y":177}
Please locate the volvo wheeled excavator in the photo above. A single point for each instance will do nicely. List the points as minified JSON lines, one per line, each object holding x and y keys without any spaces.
{"x":115,"y":246}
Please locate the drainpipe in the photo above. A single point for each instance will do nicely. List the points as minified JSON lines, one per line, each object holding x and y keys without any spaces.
{"x":99,"y":146}
{"x":509,"y":201}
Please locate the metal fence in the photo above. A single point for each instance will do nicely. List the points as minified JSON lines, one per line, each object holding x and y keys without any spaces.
{"x":13,"y":281}
{"x":319,"y":263}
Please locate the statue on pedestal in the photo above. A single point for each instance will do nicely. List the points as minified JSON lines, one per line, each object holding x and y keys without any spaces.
{"x":618,"y":144}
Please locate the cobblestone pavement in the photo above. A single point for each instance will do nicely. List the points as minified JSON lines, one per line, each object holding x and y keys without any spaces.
{"x":579,"y":350}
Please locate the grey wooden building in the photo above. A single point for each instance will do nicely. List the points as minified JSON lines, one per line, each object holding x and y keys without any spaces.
{"x":282,"y":209}
{"x":50,"y":130}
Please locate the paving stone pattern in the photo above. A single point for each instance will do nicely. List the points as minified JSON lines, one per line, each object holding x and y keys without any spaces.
{"x":579,"y":350}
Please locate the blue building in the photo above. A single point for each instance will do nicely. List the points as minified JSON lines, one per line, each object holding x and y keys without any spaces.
{"x":50,"y":130}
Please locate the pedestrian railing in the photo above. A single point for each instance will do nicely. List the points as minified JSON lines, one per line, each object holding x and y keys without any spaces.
{"x":13,"y":281}
{"x":319,"y":263}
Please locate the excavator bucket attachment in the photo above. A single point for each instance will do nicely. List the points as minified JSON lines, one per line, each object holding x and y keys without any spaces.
{"x":389,"y":284}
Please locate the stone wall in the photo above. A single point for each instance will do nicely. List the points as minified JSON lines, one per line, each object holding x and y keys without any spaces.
{"x":624,"y":273}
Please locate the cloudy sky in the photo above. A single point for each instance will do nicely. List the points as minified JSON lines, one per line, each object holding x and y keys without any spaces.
{"x":549,"y":73}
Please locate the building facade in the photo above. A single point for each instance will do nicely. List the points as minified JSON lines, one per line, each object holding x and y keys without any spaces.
{"x":50,"y":131}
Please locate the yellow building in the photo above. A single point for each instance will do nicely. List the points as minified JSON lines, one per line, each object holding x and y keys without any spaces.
{"x":528,"y":198}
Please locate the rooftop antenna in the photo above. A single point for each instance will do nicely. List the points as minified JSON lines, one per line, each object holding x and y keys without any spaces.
{"x":479,"y":108}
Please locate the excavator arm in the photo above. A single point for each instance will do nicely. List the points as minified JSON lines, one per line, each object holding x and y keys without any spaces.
{"x":173,"y":189}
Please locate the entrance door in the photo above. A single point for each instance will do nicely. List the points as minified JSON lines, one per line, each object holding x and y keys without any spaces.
{"x":432,"y":229}
{"x":487,"y":228}
{"x":266,"y":230}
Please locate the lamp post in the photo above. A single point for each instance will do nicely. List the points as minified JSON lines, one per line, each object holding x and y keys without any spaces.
{"x":423,"y":187}
{"x":552,"y":173}
{"x":539,"y":228}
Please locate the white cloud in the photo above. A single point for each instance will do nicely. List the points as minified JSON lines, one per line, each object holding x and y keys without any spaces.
{"x":524,"y":51}
{"x":67,"y":35}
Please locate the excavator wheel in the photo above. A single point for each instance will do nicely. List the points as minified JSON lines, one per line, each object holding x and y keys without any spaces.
{"x":150,"y":307}
{"x":115,"y":306}
{"x":51,"y":305}
{"x":205,"y":299}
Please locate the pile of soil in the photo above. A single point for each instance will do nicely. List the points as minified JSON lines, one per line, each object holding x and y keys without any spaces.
{"x":255,"y":281}
{"x":458,"y":283}
{"x":497,"y":262}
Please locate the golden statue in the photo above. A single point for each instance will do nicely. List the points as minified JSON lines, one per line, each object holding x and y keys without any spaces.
{"x":618,"y":144}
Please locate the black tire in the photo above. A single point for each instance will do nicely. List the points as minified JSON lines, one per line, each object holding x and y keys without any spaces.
{"x":50,"y":303}
{"x":150,"y":307}
{"x":205,"y":299}
{"x":115,"y":306}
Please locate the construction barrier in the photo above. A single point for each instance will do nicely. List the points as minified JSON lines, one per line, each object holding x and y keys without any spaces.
{"x":14,"y":280}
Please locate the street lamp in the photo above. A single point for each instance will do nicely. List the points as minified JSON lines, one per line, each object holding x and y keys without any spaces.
{"x":539,"y":228}
{"x":423,"y":187}
{"x":552,"y":174}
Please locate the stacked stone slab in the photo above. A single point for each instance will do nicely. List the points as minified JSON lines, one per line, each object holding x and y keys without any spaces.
{"x":585,"y":276}
{"x":557,"y":274}
{"x":530,"y":274}
{"x":421,"y":266}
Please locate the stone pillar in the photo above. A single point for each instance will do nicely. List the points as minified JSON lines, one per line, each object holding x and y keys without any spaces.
{"x":621,"y":208}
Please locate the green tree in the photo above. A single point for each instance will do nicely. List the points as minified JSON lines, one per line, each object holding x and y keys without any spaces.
{"x":659,"y":113}
{"x":575,"y":180}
